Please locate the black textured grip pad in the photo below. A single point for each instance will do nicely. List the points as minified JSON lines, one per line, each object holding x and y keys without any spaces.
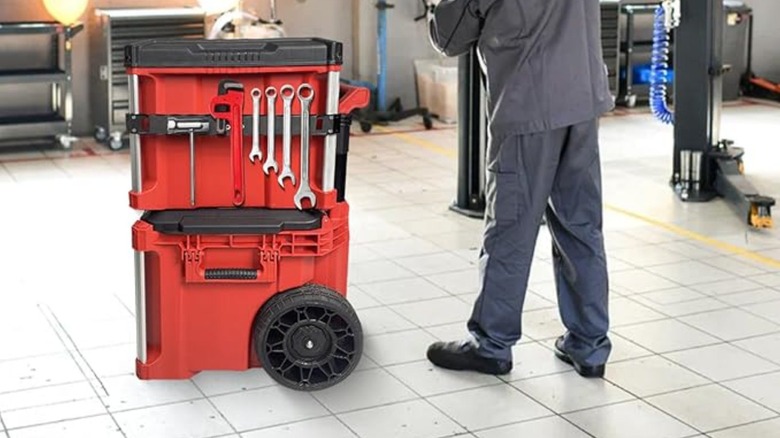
{"x":231,"y":274}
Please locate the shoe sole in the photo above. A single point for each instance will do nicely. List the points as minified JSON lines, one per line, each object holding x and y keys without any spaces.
{"x":481,"y":370}
{"x":587,"y":372}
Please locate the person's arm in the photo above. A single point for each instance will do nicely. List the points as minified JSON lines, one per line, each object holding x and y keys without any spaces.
{"x":455,"y":25}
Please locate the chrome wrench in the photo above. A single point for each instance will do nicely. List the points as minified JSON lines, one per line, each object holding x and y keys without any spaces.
{"x":256,"y":153}
{"x":305,"y":96}
{"x":270,"y":157}
{"x":287,"y":92}
{"x":192,"y":168}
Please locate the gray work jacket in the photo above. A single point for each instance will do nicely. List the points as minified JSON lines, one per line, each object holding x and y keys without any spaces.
{"x":542,"y":59}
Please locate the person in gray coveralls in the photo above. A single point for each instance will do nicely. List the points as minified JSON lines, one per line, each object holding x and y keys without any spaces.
{"x":547,"y":87}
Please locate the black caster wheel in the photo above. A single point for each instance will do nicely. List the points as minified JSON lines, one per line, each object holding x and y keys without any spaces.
{"x":116,"y":142}
{"x":366,"y":127}
{"x":428,"y":122}
{"x":309,"y":338}
{"x":101,"y":135}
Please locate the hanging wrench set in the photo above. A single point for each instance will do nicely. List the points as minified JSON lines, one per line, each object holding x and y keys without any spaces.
{"x":238,"y":152}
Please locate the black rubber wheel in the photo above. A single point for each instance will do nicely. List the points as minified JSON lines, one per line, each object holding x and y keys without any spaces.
{"x":309,"y":338}
{"x":366,"y":127}
{"x":428,"y":122}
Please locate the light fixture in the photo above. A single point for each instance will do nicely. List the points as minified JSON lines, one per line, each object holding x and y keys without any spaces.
{"x":66,"y":11}
{"x":218,"y":6}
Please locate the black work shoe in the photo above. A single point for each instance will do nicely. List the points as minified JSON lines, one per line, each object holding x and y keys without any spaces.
{"x":582,"y":370}
{"x":462,"y":356}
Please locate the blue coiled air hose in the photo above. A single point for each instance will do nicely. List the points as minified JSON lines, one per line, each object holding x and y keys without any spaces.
{"x":659,"y":69}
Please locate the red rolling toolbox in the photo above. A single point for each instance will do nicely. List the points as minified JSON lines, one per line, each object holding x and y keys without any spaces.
{"x":237,"y":266}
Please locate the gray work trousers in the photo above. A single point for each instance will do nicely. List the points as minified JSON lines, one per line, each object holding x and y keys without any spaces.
{"x":558,"y":174}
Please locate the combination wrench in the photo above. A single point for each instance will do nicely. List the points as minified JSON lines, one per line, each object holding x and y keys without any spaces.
{"x":287,"y":92}
{"x":256,"y":153}
{"x":305,"y":96}
{"x":270,"y":158}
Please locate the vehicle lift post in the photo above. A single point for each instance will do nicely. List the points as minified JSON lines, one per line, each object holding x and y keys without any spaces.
{"x":472,"y":138}
{"x":715,"y":166}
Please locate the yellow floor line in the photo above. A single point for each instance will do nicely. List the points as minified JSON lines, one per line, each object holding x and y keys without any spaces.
{"x":733,"y":249}
{"x":419,"y":142}
{"x":727,"y":247}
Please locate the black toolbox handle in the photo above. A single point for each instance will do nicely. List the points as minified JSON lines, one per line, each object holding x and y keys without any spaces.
{"x":231,"y":274}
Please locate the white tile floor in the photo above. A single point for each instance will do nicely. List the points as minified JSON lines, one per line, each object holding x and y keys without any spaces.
{"x":696,"y":324}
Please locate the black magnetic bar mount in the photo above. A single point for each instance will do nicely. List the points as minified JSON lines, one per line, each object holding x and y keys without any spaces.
{"x":159,"y":124}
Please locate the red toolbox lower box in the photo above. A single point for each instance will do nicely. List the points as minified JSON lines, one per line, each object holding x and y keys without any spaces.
{"x":222,"y":289}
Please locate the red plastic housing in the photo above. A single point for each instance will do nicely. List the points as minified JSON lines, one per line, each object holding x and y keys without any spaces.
{"x":194,"y":323}
{"x":165,"y":159}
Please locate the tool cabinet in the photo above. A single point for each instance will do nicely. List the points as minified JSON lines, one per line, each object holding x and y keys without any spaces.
{"x":233,"y":269}
{"x":610,"y":41}
{"x":36,"y":83}
{"x":111,"y":29}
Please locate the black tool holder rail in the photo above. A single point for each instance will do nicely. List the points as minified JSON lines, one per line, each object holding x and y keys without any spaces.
{"x":145,"y":124}
{"x":319,"y":126}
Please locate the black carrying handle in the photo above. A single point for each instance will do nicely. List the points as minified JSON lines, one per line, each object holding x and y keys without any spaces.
{"x":231,"y":274}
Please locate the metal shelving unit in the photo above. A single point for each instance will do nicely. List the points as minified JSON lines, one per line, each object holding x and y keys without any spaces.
{"x":110,"y":31}
{"x":610,"y":41}
{"x":23,"y":122}
{"x":633,"y":49}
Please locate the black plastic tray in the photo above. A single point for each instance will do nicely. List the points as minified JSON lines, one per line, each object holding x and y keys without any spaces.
{"x":235,"y":221}
{"x":281,"y":52}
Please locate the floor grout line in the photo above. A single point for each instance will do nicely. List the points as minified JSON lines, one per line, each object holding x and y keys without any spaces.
{"x":51,"y":317}
{"x":124,"y":306}
{"x":556,"y":413}
{"x":51,"y":423}
{"x":765,"y":420}
{"x":2,"y":424}
{"x":213,"y":405}
{"x":714,"y":383}
{"x":336,"y":416}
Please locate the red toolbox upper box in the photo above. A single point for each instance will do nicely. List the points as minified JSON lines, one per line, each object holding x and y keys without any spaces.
{"x":187,"y":98}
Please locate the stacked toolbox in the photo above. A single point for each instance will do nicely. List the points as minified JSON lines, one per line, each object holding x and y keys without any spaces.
{"x":240,"y":261}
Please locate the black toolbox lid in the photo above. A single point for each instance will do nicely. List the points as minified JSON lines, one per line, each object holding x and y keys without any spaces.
{"x":233,"y":221}
{"x":279,"y":52}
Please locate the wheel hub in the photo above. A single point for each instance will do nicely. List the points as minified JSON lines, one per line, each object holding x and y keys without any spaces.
{"x":310,"y":342}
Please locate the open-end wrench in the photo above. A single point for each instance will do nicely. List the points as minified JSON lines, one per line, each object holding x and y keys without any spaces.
{"x":287,"y":92}
{"x":256,"y":153}
{"x":305,"y":96}
{"x":270,"y":157}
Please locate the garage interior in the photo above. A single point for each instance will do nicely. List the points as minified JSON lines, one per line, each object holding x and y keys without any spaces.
{"x":695,"y":287}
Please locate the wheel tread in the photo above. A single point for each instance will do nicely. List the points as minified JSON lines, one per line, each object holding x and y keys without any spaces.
{"x":310,"y":295}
